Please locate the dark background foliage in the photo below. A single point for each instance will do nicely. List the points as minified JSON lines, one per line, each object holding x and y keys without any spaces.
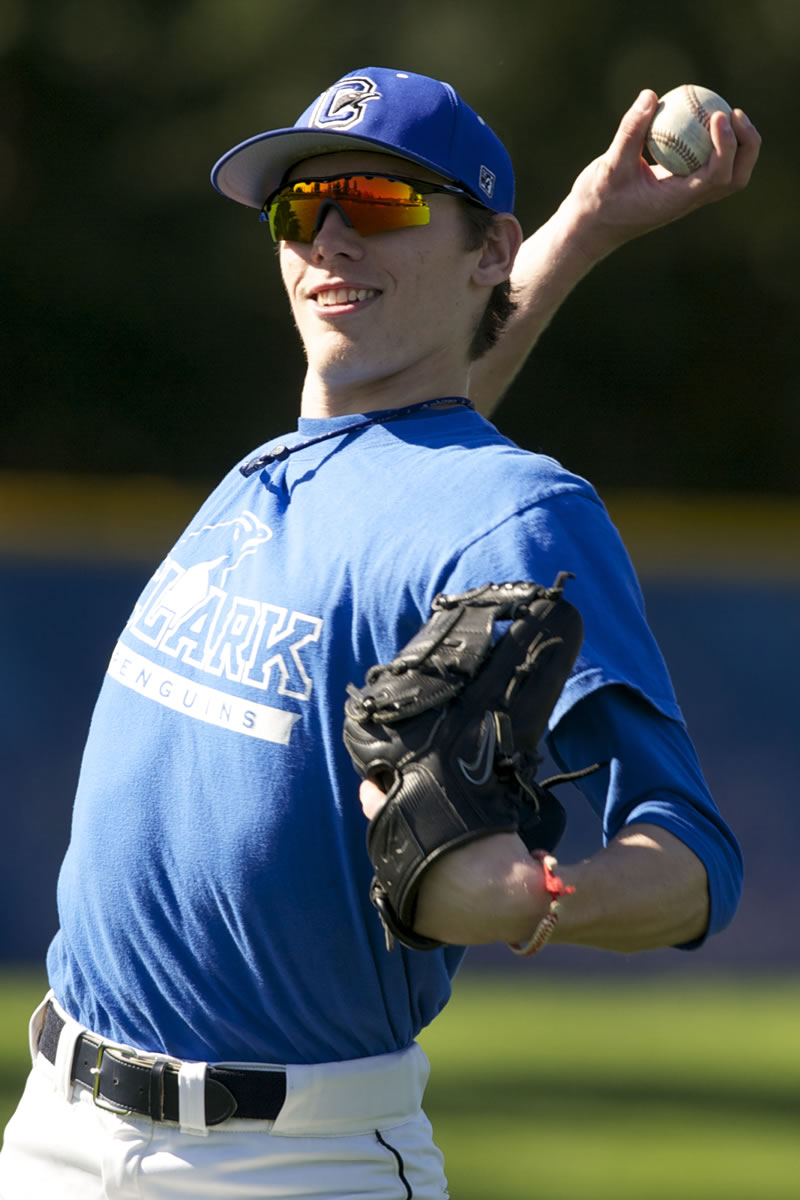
{"x":145,"y":329}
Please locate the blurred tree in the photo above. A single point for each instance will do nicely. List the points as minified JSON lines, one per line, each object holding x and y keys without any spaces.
{"x":145,"y":328}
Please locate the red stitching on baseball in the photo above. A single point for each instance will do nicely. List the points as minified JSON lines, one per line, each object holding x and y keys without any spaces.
{"x":671,"y":142}
{"x":703,"y":116}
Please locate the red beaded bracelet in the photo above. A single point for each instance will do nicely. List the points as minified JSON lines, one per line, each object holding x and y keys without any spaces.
{"x":555,"y":888}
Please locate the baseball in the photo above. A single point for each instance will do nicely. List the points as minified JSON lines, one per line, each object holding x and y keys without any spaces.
{"x":678,"y":137}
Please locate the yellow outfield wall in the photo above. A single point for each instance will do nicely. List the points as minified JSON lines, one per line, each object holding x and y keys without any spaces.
{"x":96,"y":519}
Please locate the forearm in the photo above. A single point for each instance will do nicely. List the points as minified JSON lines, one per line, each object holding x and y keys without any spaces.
{"x":490,"y":890}
{"x":645,"y":890}
{"x":550,"y":263}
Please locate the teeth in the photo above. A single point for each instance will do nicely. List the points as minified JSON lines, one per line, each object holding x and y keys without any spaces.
{"x":344,"y":295}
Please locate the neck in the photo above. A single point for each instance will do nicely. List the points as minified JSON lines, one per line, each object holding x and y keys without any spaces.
{"x":279,"y":453}
{"x":329,"y":397}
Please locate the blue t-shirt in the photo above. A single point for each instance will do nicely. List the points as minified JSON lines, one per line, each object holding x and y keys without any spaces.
{"x":213,"y":900}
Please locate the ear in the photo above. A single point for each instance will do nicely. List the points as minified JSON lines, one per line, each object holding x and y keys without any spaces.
{"x":503,"y":240}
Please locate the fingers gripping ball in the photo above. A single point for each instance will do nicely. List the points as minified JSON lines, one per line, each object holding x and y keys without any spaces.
{"x":449,"y":731}
{"x":679,"y":137}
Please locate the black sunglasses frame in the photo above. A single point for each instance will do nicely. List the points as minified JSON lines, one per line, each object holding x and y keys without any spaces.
{"x":421,"y":186}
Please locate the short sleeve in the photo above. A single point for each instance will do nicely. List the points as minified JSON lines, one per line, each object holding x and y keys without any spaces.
{"x":650,"y":774}
{"x":573,"y":532}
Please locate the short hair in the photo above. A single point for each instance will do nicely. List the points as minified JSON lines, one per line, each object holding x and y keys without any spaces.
{"x":500,"y":306}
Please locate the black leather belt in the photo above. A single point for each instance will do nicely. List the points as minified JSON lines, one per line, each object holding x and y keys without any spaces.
{"x":127,"y":1084}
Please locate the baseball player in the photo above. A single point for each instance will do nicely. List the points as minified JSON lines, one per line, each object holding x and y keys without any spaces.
{"x":225,"y":1016}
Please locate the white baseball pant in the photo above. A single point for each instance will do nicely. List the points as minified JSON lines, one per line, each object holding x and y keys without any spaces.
{"x":345,"y":1130}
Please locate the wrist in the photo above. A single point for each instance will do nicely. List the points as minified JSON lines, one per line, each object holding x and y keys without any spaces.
{"x":581,"y":227}
{"x":555,"y":888}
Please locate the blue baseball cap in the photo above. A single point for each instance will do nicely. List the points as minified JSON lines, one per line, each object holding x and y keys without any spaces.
{"x":392,"y":112}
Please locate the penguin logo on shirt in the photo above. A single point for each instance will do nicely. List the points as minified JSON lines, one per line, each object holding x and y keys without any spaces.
{"x":191,"y":589}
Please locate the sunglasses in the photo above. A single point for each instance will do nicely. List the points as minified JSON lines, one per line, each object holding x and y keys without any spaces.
{"x":367,"y":203}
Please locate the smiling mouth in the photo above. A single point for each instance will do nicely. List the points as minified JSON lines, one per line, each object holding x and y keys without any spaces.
{"x":336,"y":297}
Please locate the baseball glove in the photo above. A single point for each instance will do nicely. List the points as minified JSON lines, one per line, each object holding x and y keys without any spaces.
{"x":449,"y":731}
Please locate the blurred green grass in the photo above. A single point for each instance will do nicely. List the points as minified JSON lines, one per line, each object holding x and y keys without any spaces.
{"x":576,"y":1088}
{"x":20,"y":992}
{"x":579,"y":1089}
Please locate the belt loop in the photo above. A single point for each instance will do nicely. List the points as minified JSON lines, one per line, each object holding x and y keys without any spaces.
{"x":36,"y":1025}
{"x":156,"y":1097}
{"x":65,"y":1056}
{"x":192,"y":1098}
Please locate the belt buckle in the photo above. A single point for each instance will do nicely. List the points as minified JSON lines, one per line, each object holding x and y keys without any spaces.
{"x":97,"y":1070}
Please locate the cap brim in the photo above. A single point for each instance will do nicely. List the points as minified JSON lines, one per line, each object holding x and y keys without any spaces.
{"x":251,"y":171}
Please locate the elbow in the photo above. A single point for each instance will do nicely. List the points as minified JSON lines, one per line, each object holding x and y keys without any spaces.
{"x":723,"y":873}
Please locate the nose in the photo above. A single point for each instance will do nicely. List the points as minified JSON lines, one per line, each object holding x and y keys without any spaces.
{"x":335,"y":235}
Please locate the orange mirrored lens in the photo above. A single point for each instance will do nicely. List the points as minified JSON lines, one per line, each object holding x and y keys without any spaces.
{"x":371,"y":204}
